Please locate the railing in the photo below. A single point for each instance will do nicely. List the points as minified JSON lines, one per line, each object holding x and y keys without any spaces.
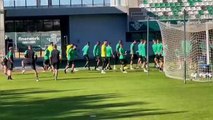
{"x":54,"y":3}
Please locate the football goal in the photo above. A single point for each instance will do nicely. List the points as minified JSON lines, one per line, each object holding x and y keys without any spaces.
{"x":189,"y":52}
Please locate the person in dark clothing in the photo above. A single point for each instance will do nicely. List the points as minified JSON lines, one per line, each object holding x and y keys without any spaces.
{"x":55,"y":60}
{"x":30,"y":59}
{"x":9,"y":63}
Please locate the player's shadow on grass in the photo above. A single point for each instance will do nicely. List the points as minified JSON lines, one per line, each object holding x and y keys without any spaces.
{"x":24,"y":92}
{"x":26,"y":106}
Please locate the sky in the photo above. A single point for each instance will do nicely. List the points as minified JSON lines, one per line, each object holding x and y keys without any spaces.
{"x":54,"y":2}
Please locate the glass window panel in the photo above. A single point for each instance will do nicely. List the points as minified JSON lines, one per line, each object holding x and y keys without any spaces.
{"x":76,"y":2}
{"x":56,"y":24}
{"x":20,"y":3}
{"x":55,"y":2}
{"x":44,"y":2}
{"x":98,"y":2}
{"x":9,"y":26}
{"x":39,"y":25}
{"x":48,"y":25}
{"x":64,"y":2}
{"x":19,"y":25}
{"x":9,"y":3}
{"x":87,"y":2}
{"x":107,"y":2}
{"x":29,"y":25}
{"x":31,"y":3}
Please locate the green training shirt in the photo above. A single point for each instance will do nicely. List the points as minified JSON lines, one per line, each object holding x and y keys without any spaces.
{"x":117,"y":47}
{"x":85,"y":50}
{"x":97,"y":50}
{"x":143,"y":50}
{"x":46,"y":54}
{"x":122,"y":53}
{"x":10,"y":55}
{"x":132,"y":49}
{"x":139,"y":49}
{"x":154,"y":48}
{"x":108,"y":51}
{"x":159,"y":48}
{"x":71,"y":54}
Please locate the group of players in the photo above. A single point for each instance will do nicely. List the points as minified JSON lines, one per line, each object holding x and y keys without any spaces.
{"x":102,"y":53}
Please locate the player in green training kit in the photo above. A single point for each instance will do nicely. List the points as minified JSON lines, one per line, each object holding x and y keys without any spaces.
{"x":154,"y":49}
{"x":46,"y":59}
{"x":122,"y":58}
{"x":86,"y":55}
{"x":143,"y":54}
{"x":117,"y":53}
{"x":159,"y":54}
{"x":97,"y":54}
{"x":71,"y":53}
{"x":109,"y":55}
{"x":133,"y":54}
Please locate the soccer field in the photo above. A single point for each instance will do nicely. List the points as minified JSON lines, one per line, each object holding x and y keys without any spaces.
{"x":89,"y":95}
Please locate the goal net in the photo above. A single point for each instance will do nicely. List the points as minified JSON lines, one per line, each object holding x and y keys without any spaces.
{"x":196,"y":49}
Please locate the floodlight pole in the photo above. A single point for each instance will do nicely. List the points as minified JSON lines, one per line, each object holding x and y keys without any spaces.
{"x":147,"y":45}
{"x":184,"y":46}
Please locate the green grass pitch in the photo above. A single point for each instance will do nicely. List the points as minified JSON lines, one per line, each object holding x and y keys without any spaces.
{"x":89,"y":95}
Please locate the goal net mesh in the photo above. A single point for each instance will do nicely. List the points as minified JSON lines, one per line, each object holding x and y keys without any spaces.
{"x":199,"y":57}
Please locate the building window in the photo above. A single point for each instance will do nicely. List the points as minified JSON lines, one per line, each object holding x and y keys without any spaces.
{"x":55,"y":2}
{"x":32,"y":25}
{"x":56,"y":25}
{"x":31,"y":3}
{"x":19,"y":26}
{"x":88,"y":2}
{"x":39,"y":25}
{"x":65,"y":2}
{"x":76,"y":3}
{"x":29,"y":26}
{"x":9,"y":3}
{"x":98,"y":2}
{"x":107,"y":2}
{"x":44,"y":2}
{"x":9,"y":26}
{"x":48,"y":25}
{"x":20,"y":3}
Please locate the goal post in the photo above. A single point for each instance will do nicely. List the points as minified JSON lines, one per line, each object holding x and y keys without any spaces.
{"x":194,"y":45}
